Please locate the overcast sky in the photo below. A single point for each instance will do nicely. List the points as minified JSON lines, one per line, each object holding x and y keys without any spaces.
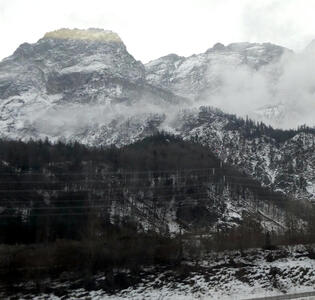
{"x":153,"y":28}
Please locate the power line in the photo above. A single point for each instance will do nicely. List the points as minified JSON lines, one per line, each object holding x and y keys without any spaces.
{"x":191,"y":198}
{"x":107,"y":180}
{"x":82,"y":189}
{"x":55,"y":173}
{"x":111,"y":197}
{"x":105,"y":190}
{"x":108,"y":197}
{"x":190,"y":203}
{"x":52,"y":214}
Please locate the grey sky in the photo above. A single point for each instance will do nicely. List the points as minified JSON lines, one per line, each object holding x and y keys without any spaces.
{"x":151,"y":29}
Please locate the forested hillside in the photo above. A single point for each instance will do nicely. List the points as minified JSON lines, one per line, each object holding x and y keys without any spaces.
{"x":280,"y":159}
{"x":160,"y":184}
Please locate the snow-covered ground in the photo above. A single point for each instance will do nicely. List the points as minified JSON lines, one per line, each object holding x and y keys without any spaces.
{"x":225,"y":275}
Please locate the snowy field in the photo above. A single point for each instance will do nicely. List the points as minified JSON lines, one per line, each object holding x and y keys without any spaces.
{"x":227,"y":275}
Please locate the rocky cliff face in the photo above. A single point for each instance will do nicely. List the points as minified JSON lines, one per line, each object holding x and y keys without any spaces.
{"x":199,"y":76}
{"x":266,"y":82}
{"x":67,"y":85}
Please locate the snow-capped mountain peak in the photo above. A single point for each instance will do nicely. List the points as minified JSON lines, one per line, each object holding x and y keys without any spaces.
{"x":65,"y":86}
{"x":198,"y":76}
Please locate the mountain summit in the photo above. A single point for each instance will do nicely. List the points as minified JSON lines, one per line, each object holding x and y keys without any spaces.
{"x":67,"y":85}
{"x":198,"y":76}
{"x":91,"y":34}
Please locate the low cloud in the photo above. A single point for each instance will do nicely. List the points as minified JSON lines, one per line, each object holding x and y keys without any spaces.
{"x":284,"y":92}
{"x":287,"y":85}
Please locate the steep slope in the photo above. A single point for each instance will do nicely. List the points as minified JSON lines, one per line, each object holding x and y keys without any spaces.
{"x":67,"y":84}
{"x":161,"y":184}
{"x":267,"y":82}
{"x":199,"y":76}
{"x":282,"y":160}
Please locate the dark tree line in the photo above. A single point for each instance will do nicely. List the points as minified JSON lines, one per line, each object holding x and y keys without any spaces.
{"x":251,"y":129}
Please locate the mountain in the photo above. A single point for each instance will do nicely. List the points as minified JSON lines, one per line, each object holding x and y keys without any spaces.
{"x":280,"y":159}
{"x":266,"y":82}
{"x":83,"y":85}
{"x":134,"y":170}
{"x":199,"y":76}
{"x":67,"y":84}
